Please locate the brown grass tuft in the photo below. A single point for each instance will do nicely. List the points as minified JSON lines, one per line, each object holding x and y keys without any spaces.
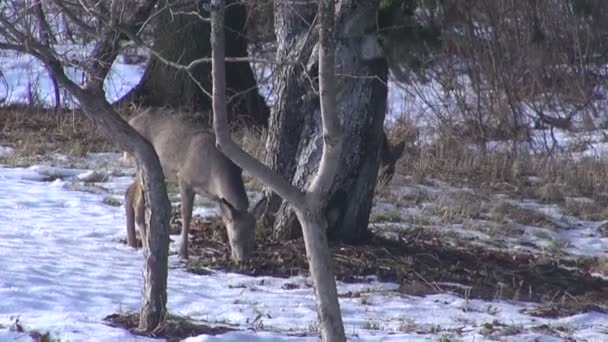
{"x":504,"y":211}
{"x":551,"y":193}
{"x":555,"y":176}
{"x":456,"y":206}
{"x":584,"y":208}
{"x":36,"y":131}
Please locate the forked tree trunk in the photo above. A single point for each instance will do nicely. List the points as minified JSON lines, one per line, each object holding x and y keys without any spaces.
{"x":308,"y":204}
{"x":182,"y":38}
{"x":295,"y":145}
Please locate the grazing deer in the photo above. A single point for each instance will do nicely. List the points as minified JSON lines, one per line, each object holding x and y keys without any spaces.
{"x":188,"y":156}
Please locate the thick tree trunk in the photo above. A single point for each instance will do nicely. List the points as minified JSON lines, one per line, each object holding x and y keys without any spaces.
{"x":183,"y":38}
{"x":362,"y":104}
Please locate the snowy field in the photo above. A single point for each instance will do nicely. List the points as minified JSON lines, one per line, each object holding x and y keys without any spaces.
{"x":63,"y":270}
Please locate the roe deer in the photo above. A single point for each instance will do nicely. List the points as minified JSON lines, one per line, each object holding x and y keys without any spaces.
{"x":188,"y":156}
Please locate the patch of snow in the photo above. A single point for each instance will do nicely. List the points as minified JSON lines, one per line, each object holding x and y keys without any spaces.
{"x":63,"y":270}
{"x":26,"y":80}
{"x":6,"y":151}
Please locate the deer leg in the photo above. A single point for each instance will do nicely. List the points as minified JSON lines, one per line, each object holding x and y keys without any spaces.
{"x":140,"y":212}
{"x":130,"y":213}
{"x":187,"y":200}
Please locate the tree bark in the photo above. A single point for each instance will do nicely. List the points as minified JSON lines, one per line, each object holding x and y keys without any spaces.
{"x":158,"y":210}
{"x":153,"y":310}
{"x":92,"y":99}
{"x":308,"y":204}
{"x":182,"y":38}
{"x":295,"y":97}
{"x":295,"y":135}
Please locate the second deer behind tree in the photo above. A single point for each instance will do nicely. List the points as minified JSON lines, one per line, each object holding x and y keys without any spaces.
{"x":189,"y":157}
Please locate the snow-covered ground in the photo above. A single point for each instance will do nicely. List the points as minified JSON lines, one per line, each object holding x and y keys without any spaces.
{"x":63,"y":270}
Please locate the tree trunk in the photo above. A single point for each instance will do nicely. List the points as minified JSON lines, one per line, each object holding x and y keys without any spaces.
{"x":185,"y":37}
{"x":158,"y":209}
{"x":295,"y":135}
{"x":322,"y":272}
{"x":309,"y":203}
{"x":295,"y":97}
{"x":92,"y":99}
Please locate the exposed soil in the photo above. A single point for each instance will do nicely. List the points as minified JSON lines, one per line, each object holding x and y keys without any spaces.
{"x":421,"y":264}
{"x":175,"y":328}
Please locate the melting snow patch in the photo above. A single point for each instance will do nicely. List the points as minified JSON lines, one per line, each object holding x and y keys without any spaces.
{"x":6,"y":151}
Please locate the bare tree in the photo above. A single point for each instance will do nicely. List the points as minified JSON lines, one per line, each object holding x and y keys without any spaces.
{"x":308,"y":203}
{"x":501,"y":68}
{"x":104,"y":23}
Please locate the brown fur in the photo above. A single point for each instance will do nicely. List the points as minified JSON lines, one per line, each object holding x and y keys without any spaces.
{"x":134,"y":209}
{"x":189,"y":157}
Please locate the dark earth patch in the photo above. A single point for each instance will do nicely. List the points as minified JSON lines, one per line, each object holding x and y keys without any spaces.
{"x":421,"y":263}
{"x":175,"y":328}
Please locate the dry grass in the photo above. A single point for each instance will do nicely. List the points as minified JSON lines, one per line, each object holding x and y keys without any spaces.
{"x":35,"y":132}
{"x":386,"y":216}
{"x":456,"y":206}
{"x":586,"y":209}
{"x":35,"y":335}
{"x":548,"y":178}
{"x":504,"y":211}
{"x":551,"y":193}
{"x":599,"y":265}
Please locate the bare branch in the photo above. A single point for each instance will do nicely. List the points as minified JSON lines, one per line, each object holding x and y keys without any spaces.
{"x":46,"y":37}
{"x":107,"y":49}
{"x":332,"y":132}
{"x":89,"y":30}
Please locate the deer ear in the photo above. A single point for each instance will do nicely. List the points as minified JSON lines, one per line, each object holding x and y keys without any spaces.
{"x":227,"y":209}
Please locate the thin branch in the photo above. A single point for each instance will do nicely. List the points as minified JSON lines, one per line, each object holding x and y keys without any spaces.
{"x":83,"y":26}
{"x":192,"y":13}
{"x":46,"y":33}
{"x":150,"y":18}
{"x":46,"y":37}
{"x":107,"y":49}
{"x":198,"y":83}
